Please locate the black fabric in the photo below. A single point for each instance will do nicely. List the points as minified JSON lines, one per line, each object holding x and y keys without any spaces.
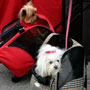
{"x":86,"y":30}
{"x":9,"y":25}
{"x":57,"y":26}
{"x":10,"y":32}
{"x":75,"y":30}
{"x":72,"y":65}
{"x":41,"y":80}
{"x":59,"y":41}
{"x":30,"y":41}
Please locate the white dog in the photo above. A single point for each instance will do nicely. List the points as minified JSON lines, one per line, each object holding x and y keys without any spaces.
{"x":49,"y":60}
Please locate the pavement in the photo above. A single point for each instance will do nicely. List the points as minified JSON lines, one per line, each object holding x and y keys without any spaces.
{"x":7,"y":84}
{"x":88,"y":76}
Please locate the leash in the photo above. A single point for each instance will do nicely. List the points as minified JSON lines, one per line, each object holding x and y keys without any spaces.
{"x":66,"y":41}
{"x":67,"y":32}
{"x":68,"y":24}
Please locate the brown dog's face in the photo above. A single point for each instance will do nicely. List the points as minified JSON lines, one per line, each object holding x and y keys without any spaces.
{"x":28,"y":13}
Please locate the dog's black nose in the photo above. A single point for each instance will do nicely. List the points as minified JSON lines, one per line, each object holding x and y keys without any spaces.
{"x":55,"y":67}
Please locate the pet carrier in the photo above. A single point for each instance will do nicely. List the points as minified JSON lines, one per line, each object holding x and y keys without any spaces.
{"x":20,"y":42}
{"x":71,"y":77}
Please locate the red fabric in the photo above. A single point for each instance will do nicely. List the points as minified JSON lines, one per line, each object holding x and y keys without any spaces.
{"x":17,"y":60}
{"x":9,"y":10}
{"x":42,"y":20}
{"x":52,"y":9}
{"x":26,"y":24}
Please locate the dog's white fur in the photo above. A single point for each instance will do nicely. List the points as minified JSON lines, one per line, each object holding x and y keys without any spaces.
{"x":46,"y":62}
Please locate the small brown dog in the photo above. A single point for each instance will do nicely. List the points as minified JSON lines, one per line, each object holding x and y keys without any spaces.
{"x":28,"y":13}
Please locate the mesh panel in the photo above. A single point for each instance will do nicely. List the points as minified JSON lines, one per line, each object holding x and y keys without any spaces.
{"x":10,"y":30}
{"x":42,"y":22}
{"x":32,"y":39}
{"x":10,"y":25}
{"x":59,"y":41}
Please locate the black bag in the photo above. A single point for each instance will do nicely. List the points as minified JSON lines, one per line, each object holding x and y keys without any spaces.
{"x":72,"y":74}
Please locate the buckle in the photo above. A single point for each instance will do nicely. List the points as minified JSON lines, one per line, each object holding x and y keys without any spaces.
{"x":21,"y":30}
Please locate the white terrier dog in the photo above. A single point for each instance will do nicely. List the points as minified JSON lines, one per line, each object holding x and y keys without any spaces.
{"x":49,"y":60}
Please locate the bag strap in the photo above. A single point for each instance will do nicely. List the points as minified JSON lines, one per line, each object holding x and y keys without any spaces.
{"x":67,"y":30}
{"x":49,"y":37}
{"x":68,"y":24}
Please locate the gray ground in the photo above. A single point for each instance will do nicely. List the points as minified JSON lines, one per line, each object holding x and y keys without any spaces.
{"x":7,"y":84}
{"x":88,"y":76}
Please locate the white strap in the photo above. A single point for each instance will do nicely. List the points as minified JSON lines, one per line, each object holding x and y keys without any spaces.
{"x":49,"y":37}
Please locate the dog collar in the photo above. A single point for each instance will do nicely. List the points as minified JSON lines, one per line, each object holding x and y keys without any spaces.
{"x":27,"y":24}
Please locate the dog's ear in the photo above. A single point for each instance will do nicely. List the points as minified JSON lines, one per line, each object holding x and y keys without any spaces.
{"x":41,"y":66}
{"x":23,"y":13}
{"x":35,"y":9}
{"x":30,"y":3}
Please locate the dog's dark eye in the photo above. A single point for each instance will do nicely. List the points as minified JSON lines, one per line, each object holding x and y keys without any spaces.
{"x":33,"y":14}
{"x":57,"y":60}
{"x":50,"y":62}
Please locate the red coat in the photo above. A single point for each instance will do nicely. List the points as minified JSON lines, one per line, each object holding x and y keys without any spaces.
{"x":9,"y":10}
{"x":52,"y":9}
